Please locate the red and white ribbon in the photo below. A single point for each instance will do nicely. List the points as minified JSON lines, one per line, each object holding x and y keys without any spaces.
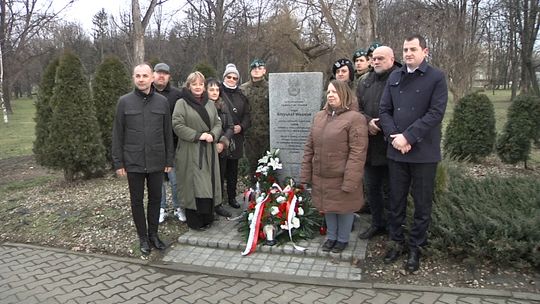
{"x":255,"y":225}
{"x":291,"y":203}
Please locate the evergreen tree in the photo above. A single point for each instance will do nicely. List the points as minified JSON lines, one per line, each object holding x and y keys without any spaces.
{"x":471,"y":131}
{"x":111,"y":81}
{"x":44,"y":113}
{"x":521,"y":129}
{"x":74,"y":130}
{"x":207,"y":70}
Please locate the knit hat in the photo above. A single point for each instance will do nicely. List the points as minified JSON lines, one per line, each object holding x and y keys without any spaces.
{"x":162,"y":67}
{"x":341,"y":63}
{"x":373,"y":46}
{"x":231,"y":68}
{"x":358,"y":53}
{"x":256,"y":63}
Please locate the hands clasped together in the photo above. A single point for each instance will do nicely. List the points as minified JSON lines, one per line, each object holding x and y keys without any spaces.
{"x":400,"y":143}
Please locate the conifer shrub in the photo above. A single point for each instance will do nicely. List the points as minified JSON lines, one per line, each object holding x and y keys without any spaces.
{"x":494,"y":218}
{"x":74,"y":130}
{"x":44,"y":113}
{"x":111,"y":81}
{"x":522,"y":128}
{"x":470,"y":135}
{"x":206,"y":69}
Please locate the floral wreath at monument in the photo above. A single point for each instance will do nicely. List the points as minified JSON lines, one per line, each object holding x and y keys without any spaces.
{"x":277,"y":214}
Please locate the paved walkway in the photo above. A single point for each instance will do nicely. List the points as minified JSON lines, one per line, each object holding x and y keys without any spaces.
{"x":31,"y":274}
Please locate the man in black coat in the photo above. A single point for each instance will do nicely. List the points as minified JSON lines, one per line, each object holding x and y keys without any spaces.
{"x":411,"y":111}
{"x":142,"y":149}
{"x":369,"y":91}
{"x":163,"y":86}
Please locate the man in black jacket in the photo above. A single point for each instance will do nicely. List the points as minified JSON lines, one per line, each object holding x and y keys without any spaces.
{"x":411,"y":113}
{"x":163,"y":86}
{"x":142,"y":149}
{"x":369,"y":92}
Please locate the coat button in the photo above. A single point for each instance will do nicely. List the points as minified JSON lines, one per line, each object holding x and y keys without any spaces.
{"x":398,"y":109}
{"x":417,"y":91}
{"x":400,"y":92}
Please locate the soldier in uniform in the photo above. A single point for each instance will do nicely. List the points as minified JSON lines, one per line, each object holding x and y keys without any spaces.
{"x":258,"y":137}
{"x":361,"y":65}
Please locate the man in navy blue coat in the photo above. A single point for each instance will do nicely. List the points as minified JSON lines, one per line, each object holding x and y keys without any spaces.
{"x":411,"y":111}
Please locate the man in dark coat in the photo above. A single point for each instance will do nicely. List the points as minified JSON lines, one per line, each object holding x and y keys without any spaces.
{"x":142,"y":149}
{"x":411,"y":111}
{"x":163,"y":86}
{"x":368,"y":93}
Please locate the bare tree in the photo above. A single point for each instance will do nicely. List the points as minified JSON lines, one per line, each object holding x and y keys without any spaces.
{"x":366,"y":22}
{"x":139,"y":27}
{"x":20,"y":22}
{"x":525,"y":17}
{"x":4,"y":110}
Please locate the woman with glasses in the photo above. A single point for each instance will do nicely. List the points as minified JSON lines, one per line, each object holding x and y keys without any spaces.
{"x":238,"y":106}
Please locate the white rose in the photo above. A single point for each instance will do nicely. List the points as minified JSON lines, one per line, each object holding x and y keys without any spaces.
{"x":300,"y":211}
{"x":274,"y":210}
{"x":295,"y":222}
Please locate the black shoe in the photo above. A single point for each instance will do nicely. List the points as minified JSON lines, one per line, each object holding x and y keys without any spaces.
{"x":144,"y":245}
{"x":395,"y":251}
{"x":328,"y":245}
{"x":339,"y":247}
{"x":371,"y":232}
{"x":156,"y":242}
{"x":413,"y":261}
{"x":233,"y":203}
{"x":220,"y":210}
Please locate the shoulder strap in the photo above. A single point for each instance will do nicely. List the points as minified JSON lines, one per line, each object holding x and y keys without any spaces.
{"x":231,"y":108}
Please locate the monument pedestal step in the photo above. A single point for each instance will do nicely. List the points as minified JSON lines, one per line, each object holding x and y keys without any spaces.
{"x":220,"y":248}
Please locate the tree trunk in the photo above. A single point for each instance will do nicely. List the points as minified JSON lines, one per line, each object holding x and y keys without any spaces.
{"x":366,"y":22}
{"x":4,"y":108}
{"x":139,"y":27}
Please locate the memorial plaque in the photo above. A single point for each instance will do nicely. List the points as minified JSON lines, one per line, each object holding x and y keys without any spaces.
{"x":294,"y":99}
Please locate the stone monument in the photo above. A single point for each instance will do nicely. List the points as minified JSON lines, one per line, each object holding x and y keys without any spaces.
{"x":294,"y":99}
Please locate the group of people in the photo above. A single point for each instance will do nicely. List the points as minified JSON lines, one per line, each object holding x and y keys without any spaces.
{"x":389,"y":135}
{"x":195,"y":135}
{"x":380,"y":122}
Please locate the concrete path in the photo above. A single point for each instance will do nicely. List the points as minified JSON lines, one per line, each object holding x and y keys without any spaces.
{"x":31,"y":274}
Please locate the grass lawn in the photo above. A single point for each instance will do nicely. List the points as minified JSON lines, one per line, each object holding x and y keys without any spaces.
{"x":17,"y":136}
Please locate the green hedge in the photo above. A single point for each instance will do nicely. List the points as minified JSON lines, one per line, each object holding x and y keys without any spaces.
{"x":495,"y":218}
{"x":470,"y":135}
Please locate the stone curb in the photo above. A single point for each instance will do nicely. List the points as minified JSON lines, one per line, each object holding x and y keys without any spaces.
{"x":292,"y":279}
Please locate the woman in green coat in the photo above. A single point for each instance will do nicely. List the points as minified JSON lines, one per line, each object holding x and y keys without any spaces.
{"x":196,"y":122}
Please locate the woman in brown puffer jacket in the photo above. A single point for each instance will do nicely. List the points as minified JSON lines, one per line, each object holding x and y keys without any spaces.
{"x":333,"y":163}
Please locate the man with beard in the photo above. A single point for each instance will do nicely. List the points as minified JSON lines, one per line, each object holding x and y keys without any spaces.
{"x":163,"y":86}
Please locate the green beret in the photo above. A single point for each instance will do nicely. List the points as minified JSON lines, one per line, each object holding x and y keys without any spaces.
{"x":256,"y":63}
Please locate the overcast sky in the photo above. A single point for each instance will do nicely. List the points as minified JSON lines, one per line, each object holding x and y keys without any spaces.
{"x":83,"y":11}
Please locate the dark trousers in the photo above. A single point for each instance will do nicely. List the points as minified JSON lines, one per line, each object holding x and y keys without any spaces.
{"x":231,"y":175}
{"x":420,"y":178}
{"x":222,"y":169}
{"x":376,"y":178}
{"x":136,"y":193}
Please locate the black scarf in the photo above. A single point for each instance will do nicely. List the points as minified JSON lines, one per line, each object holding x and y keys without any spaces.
{"x":199,"y":107}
